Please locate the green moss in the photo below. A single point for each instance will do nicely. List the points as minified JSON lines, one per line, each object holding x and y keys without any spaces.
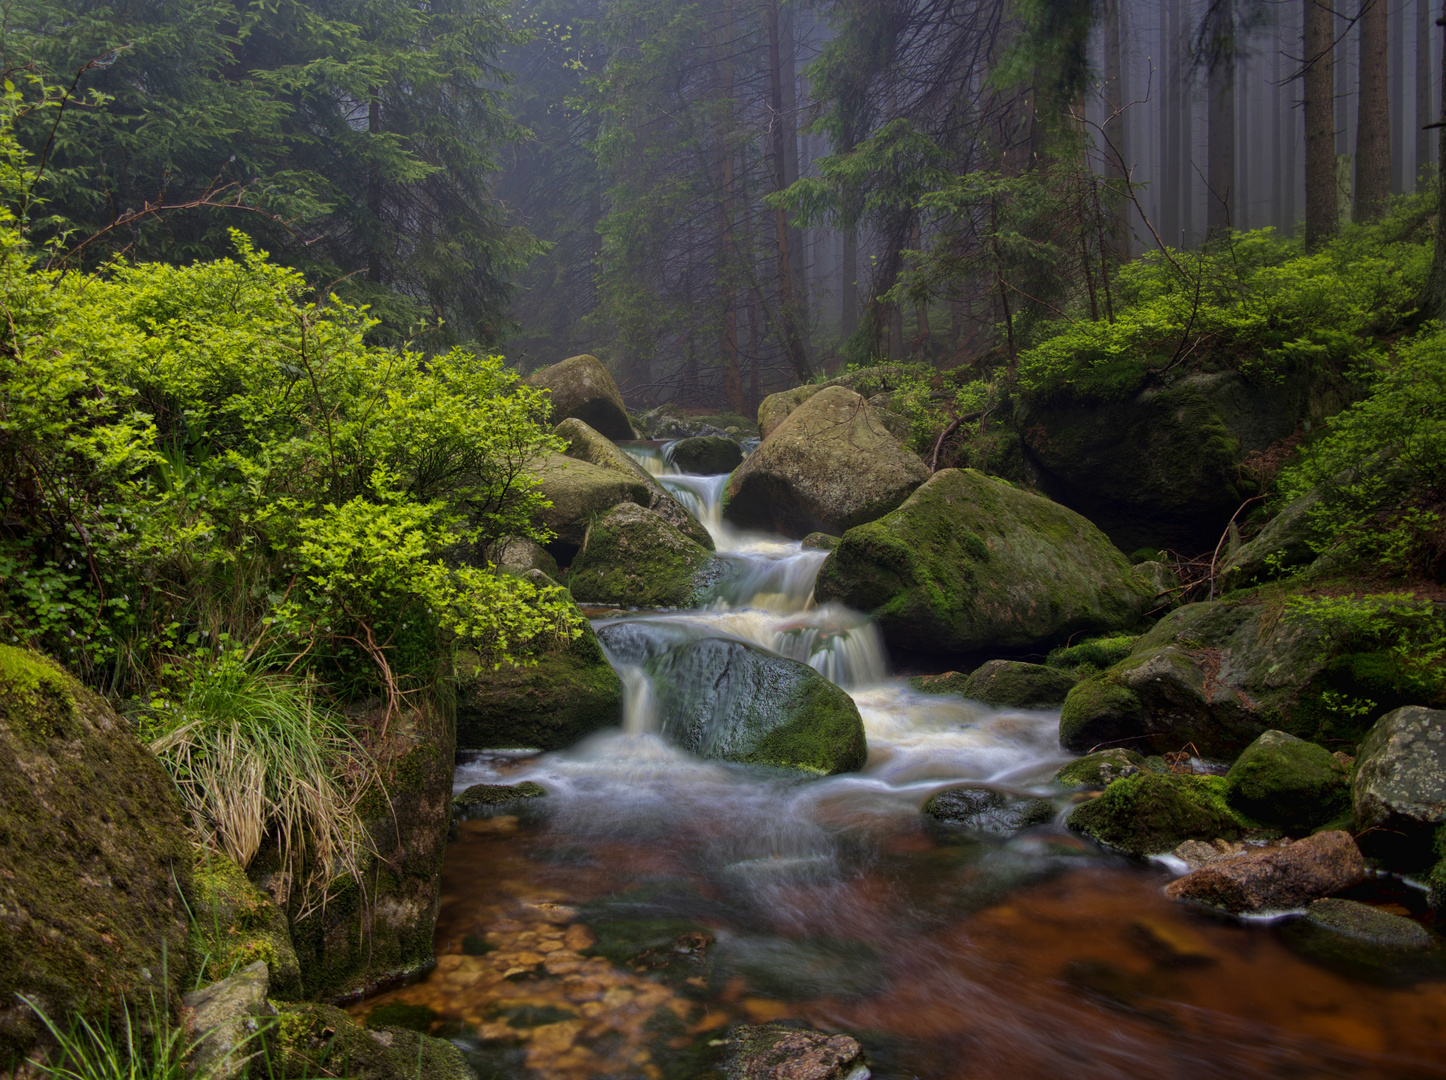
{"x":1099,"y":652}
{"x":493,"y":794}
{"x":632,"y":557}
{"x":1339,"y":705}
{"x":1100,"y":769}
{"x":1148,"y":814}
{"x":233,"y":924}
{"x":1098,"y":710}
{"x":35,"y":695}
{"x":322,"y":1040}
{"x":1011,"y":684}
{"x":1288,"y":782}
{"x":402,"y":1014}
{"x":823,"y":733}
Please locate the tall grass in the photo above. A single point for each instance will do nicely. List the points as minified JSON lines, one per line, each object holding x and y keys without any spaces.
{"x":87,"y":1050}
{"x":253,"y":755}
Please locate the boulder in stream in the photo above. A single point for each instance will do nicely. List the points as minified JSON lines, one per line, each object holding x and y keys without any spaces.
{"x":785,"y":1052}
{"x":1149,"y":814}
{"x":1276,"y":878}
{"x":969,"y":562}
{"x":579,"y":492}
{"x":1288,"y":782}
{"x":585,"y":444}
{"x":581,"y":387}
{"x":706,"y":455}
{"x":94,"y":856}
{"x":632,"y":557}
{"x":1399,"y":790}
{"x":983,"y":810}
{"x":830,"y":466}
{"x":1017,"y":685}
{"x":1101,"y":768}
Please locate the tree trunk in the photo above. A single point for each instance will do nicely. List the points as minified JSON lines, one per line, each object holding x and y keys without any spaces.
{"x":787,"y":301}
{"x":1170,"y":124}
{"x":788,"y":118}
{"x":849,"y":287}
{"x":1397,"y":105}
{"x":1373,"y":122}
{"x":1185,"y":122}
{"x":1424,"y":163}
{"x":1433,"y":301}
{"x":1220,"y":204}
{"x":1114,"y":127}
{"x":1321,"y":218}
{"x":374,"y":195}
{"x":727,"y":251}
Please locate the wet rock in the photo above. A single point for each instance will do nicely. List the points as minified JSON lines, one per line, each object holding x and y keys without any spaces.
{"x":721,"y":698}
{"x":1370,"y":926}
{"x":585,"y":444}
{"x":1091,"y":654}
{"x":968,"y":562}
{"x":706,"y":455}
{"x":579,"y":492}
{"x":225,"y":1022}
{"x":234,"y":924}
{"x":949,"y":682}
{"x":830,"y":466}
{"x":1197,"y":853}
{"x":669,"y":421}
{"x":818,"y":541}
{"x":1276,"y":878}
{"x":92,"y":850}
{"x":632,"y":557}
{"x":1288,"y":782}
{"x":483,"y":796}
{"x":985,"y":811}
{"x":581,"y":387}
{"x":1013,"y":684}
{"x":783,"y":1052}
{"x":571,"y":691}
{"x":1101,"y":768}
{"x":1399,"y":791}
{"x":1149,"y":814}
{"x":316,"y":1039}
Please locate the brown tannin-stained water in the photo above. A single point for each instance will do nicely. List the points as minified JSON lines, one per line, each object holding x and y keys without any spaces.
{"x":616,"y":927}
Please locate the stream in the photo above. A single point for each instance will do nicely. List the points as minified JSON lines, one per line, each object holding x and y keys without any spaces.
{"x":618,"y":926}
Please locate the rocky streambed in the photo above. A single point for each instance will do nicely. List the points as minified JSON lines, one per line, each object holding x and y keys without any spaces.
{"x":676,"y":890}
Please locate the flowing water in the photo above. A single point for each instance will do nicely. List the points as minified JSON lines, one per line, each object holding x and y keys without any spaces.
{"x":652,"y":899}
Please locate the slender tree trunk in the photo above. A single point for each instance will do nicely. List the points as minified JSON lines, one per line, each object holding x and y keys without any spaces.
{"x":374,"y":194}
{"x":1115,"y":131}
{"x":788,"y":82}
{"x":1186,"y":123}
{"x":1433,"y":301}
{"x":1285,"y":107}
{"x":1220,"y":204}
{"x":1373,"y":122}
{"x":727,"y":197}
{"x":1170,"y":124}
{"x":787,"y":300}
{"x":1322,"y":221}
{"x":1397,"y":106}
{"x":1424,"y":114}
{"x":849,"y":288}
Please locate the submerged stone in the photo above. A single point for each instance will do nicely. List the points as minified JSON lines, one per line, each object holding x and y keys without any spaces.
{"x":985,"y":811}
{"x":479,"y":796}
{"x":784,"y":1052}
{"x":1371,"y":926}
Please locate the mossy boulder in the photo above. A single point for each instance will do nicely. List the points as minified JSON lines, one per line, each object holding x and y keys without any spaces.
{"x":968,"y":563}
{"x":235,"y":924}
{"x":94,"y":856}
{"x":571,"y":691}
{"x":1092,"y":652}
{"x":1290,"y":783}
{"x":1017,"y":685}
{"x":1283,"y":547}
{"x":982,"y":810}
{"x":820,"y":541}
{"x":1399,"y":790}
{"x":830,"y":466}
{"x":322,"y":1040}
{"x":581,"y":387}
{"x":1218,"y":675}
{"x":1101,"y":768}
{"x":579,"y":492}
{"x":481,"y":797}
{"x":380,"y":928}
{"x":519,"y":555}
{"x":706,"y":455}
{"x":875,"y":383}
{"x":1150,"y":814}
{"x":948,"y":682}
{"x":721,"y":698}
{"x":585,"y":444}
{"x":1161,"y":467}
{"x":632,"y":557}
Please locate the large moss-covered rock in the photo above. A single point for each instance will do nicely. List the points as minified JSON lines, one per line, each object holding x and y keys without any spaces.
{"x":1101,"y":768}
{"x":1282,"y":547}
{"x":571,"y":691}
{"x":706,"y":455}
{"x":519,"y":555}
{"x":831,"y":465}
{"x":235,"y":924}
{"x":93,"y":856}
{"x":632,"y":557}
{"x":579,"y":492}
{"x":1150,"y":814}
{"x":875,"y":383}
{"x":1218,"y":675}
{"x":721,"y":698}
{"x":581,"y":387}
{"x":322,"y":1040}
{"x":380,"y":928}
{"x":1399,"y":791}
{"x":1014,"y":684}
{"x":1285,"y":781}
{"x":1162,"y":467}
{"x":585,"y":444}
{"x":968,"y":563}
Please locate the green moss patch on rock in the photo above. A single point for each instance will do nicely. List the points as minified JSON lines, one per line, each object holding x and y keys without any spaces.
{"x":948,"y":682}
{"x":322,"y":1040}
{"x":968,"y":563}
{"x":233,"y":924}
{"x":94,"y":856}
{"x":1092,"y":652}
{"x":484,"y":795}
{"x":819,"y":541}
{"x":570,"y":691}
{"x":726,"y":699}
{"x":579,"y":492}
{"x":1149,"y":814}
{"x":1101,"y":769}
{"x":632,"y":557}
{"x":1013,"y":684}
{"x":1290,"y":783}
